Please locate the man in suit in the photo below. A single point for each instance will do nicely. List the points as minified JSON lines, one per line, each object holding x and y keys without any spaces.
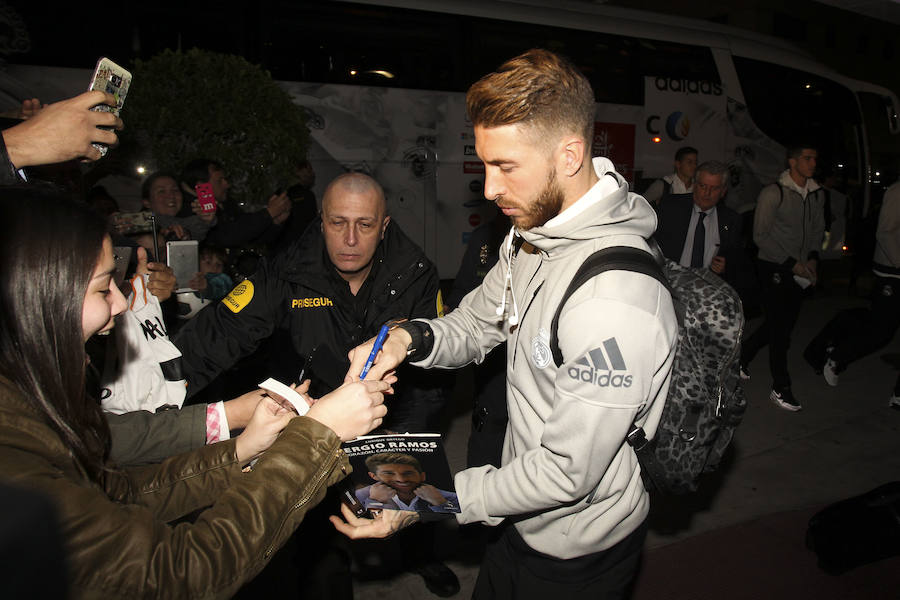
{"x":698,"y":232}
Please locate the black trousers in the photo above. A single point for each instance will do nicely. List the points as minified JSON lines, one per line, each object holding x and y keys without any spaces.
{"x":781,"y":300}
{"x":857,"y":332}
{"x":512,"y":570}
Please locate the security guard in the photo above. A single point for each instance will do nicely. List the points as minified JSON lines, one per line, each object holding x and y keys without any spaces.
{"x":329,"y":291}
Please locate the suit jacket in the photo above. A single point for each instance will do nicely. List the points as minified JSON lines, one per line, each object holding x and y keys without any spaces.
{"x":674,"y":217}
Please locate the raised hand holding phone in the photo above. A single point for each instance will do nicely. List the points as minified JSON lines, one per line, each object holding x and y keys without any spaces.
{"x":113,"y":79}
{"x":205,"y":197}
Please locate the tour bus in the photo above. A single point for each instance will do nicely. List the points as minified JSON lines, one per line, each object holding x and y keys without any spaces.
{"x":384,"y":82}
{"x":389,"y":98}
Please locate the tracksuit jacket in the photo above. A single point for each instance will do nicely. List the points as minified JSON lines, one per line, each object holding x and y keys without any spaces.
{"x":787,"y":227}
{"x":569,"y":481}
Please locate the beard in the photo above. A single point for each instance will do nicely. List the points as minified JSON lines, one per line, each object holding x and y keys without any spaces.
{"x":546,"y":206}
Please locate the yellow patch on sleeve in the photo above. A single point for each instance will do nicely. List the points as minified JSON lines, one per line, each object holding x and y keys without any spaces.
{"x":239,"y":297}
{"x":440,"y":304}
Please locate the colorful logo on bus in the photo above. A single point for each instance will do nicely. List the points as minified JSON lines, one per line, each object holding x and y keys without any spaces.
{"x":678,"y":126}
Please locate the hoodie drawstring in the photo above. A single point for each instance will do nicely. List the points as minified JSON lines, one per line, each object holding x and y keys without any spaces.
{"x":507,"y":287}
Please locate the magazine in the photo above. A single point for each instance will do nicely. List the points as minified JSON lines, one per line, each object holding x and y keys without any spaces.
{"x":402,"y":472}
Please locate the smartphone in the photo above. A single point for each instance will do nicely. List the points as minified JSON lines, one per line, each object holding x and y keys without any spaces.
{"x":128,"y":223}
{"x":205,"y":197}
{"x":348,"y":497}
{"x":110,"y":77}
{"x":184,"y":258}
{"x":122,"y":257}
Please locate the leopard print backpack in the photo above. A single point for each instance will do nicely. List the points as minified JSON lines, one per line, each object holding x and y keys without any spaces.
{"x":705,"y":402}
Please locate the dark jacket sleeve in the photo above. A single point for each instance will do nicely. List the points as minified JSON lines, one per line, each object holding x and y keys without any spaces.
{"x":731,"y":239}
{"x":422,"y":394}
{"x":230,"y":329}
{"x":143,"y":437}
{"x":8,"y":174}
{"x":673,"y":218}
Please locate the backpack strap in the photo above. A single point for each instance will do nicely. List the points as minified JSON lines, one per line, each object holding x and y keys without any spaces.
{"x":620,"y":258}
{"x":614,"y":258}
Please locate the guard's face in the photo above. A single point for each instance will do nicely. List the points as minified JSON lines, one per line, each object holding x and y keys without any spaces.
{"x":403,"y":478}
{"x":518,"y":175}
{"x":353,"y":224}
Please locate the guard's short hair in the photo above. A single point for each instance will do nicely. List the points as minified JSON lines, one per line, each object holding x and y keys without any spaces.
{"x":357,"y":183}
{"x":538,"y":89}
{"x":714,"y":167}
{"x":684,"y":151}
{"x":392,"y":458}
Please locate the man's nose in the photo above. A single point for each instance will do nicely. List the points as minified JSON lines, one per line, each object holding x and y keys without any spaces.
{"x":492,"y":185}
{"x":350,"y":237}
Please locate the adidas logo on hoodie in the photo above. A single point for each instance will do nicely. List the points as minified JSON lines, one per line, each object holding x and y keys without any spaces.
{"x":602,"y":367}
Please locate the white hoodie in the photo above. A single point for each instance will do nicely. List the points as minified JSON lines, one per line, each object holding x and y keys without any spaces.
{"x":569,"y":479}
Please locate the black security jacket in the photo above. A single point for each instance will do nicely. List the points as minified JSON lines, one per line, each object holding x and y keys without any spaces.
{"x":299,"y":302}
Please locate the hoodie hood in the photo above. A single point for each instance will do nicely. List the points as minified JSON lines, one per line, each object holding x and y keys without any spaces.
{"x":788,"y":182}
{"x":608,"y":208}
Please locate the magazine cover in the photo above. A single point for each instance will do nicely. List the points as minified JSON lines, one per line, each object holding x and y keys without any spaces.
{"x":402,"y":472}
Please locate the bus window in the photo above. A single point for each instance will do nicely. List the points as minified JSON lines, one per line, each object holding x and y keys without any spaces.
{"x":792,"y":106}
{"x":881,"y":120}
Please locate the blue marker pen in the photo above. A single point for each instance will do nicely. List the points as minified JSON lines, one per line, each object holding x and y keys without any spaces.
{"x":379,"y":342}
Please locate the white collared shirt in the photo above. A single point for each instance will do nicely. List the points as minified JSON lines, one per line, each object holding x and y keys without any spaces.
{"x":711,"y":246}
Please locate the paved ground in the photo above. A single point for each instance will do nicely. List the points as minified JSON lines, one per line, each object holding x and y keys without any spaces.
{"x":753,"y":513}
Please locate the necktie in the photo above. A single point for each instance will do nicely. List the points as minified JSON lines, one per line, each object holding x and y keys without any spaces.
{"x":699,"y":242}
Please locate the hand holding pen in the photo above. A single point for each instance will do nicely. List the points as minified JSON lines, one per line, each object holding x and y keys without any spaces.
{"x":392,"y":342}
{"x":379,"y":342}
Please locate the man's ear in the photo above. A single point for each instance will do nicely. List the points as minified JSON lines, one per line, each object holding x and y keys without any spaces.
{"x":384,"y":225}
{"x":374,"y":476}
{"x":145,"y":202}
{"x":573,"y":152}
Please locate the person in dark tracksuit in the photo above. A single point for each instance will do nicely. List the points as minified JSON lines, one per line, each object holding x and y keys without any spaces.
{"x":857,"y":332}
{"x":788,"y":228}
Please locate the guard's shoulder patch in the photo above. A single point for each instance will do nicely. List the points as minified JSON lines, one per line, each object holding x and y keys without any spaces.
{"x":239,"y":297}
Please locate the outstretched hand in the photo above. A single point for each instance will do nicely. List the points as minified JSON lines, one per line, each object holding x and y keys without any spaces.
{"x":386,"y":523}
{"x":268,"y":420}
{"x":352,"y":410}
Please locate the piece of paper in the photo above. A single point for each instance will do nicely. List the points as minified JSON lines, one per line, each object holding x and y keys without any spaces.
{"x":276,"y":387}
{"x":803,"y":282}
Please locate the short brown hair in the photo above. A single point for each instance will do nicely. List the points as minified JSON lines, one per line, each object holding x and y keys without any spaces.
{"x":392,"y":458}
{"x":539,"y":89}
